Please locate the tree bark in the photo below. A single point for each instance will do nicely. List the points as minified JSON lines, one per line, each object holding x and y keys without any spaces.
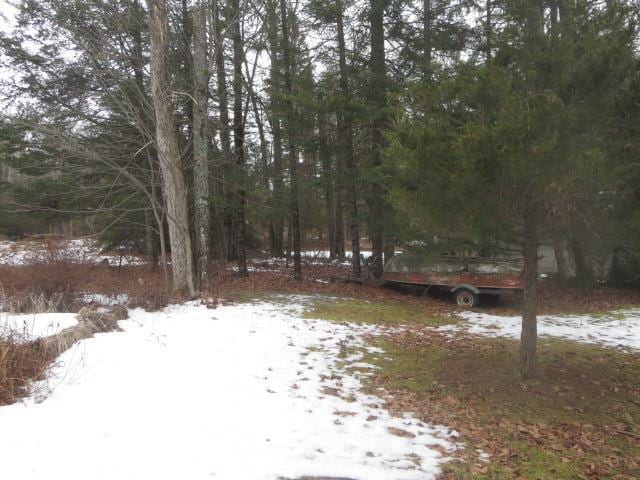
{"x":200,"y":142}
{"x":277,"y":207}
{"x":151,"y":251}
{"x":326,"y":163}
{"x":585,"y":274}
{"x":238,"y":139}
{"x":293,"y":155}
{"x":174,"y":187}
{"x":564,"y":260}
{"x":345,"y":135}
{"x":378,"y":104}
{"x":225,"y":135}
{"x":529,"y":335}
{"x":264,"y":151}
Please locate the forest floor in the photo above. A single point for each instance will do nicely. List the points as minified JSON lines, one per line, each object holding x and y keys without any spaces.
{"x":324,"y":378}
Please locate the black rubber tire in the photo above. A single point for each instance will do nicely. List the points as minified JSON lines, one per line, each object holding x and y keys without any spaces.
{"x":466,"y":298}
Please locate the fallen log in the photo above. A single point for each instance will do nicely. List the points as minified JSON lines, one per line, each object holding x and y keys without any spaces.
{"x":91,"y":320}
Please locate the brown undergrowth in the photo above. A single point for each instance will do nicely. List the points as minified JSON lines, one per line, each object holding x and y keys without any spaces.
{"x":59,"y":285}
{"x":21,"y":364}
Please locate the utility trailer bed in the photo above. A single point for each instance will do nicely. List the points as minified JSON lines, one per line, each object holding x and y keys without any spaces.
{"x":465,"y":277}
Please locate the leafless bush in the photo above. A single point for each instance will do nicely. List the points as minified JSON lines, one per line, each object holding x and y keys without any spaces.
{"x":36,"y":301}
{"x":40,"y":288}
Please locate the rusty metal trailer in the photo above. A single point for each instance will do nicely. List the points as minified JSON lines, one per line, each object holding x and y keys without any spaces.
{"x":465,"y":277}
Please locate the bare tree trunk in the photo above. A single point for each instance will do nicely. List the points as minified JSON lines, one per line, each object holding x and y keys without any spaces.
{"x":529,"y":336}
{"x":151,"y":251}
{"x":339,"y":210}
{"x":185,"y":77}
{"x":264,"y":157}
{"x":378,"y":101}
{"x":293,"y":155}
{"x":345,"y":134}
{"x":277,"y":207}
{"x":238,"y":139}
{"x":389,"y":246}
{"x":225,"y":135}
{"x":585,"y":274}
{"x":564,"y":260}
{"x":324,"y":154}
{"x":174,"y":188}
{"x":163,"y":251}
{"x":200,"y":142}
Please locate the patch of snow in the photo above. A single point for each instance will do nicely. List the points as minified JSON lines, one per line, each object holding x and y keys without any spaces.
{"x":106,"y":300}
{"x":30,"y":326}
{"x":249,"y":391}
{"x":618,"y":329}
{"x":81,"y":250}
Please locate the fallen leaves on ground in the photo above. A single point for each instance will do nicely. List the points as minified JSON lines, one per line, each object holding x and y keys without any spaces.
{"x":511,"y":440}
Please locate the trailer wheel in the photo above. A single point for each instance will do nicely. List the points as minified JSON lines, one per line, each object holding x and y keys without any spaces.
{"x":466,"y":298}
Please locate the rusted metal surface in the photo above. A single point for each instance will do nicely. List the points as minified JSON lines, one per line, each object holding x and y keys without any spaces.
{"x":455,"y":271}
{"x":486,"y":280}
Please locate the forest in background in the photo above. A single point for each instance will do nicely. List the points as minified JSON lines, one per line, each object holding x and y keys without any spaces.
{"x":213,"y":129}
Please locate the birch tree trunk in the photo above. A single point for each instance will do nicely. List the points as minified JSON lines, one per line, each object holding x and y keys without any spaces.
{"x":200,"y":142}
{"x":174,"y":188}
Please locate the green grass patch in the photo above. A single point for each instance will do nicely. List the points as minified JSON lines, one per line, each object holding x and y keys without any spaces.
{"x":363,"y":311}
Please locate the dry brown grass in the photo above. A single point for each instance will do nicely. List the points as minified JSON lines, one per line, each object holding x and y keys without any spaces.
{"x":58,"y":286}
{"x":21,"y":364}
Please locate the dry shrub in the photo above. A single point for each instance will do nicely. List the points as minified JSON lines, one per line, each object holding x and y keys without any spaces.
{"x":60,"y":286}
{"x":39,"y":288}
{"x":21,"y":364}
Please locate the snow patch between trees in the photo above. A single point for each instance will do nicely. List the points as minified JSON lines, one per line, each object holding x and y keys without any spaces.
{"x":81,"y":250}
{"x":619,"y":328}
{"x":250,"y":391}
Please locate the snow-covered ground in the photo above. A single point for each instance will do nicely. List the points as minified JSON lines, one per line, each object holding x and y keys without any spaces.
{"x":29,"y":326}
{"x":617,"y":329}
{"x":105,"y":300}
{"x":80,"y":250}
{"x":250,"y":391}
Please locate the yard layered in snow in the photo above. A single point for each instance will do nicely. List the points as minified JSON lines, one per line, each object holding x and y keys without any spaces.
{"x":28,"y":326}
{"x":616,"y":329}
{"x":251,"y":391}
